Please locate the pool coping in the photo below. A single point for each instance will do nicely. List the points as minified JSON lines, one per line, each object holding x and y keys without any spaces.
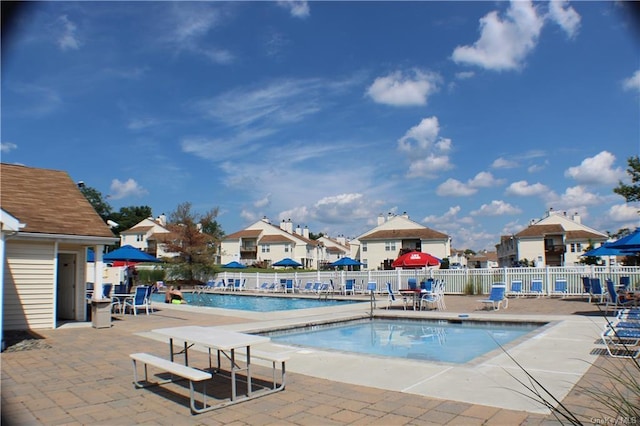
{"x":558,"y":362}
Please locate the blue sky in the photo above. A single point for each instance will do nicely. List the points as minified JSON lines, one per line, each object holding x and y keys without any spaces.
{"x":471,"y":117}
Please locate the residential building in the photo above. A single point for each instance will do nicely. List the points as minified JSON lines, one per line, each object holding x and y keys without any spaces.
{"x":148,"y":235}
{"x":554,"y":240}
{"x":395,"y":235}
{"x":458,"y":259}
{"x":483,"y":259}
{"x":263,"y":244}
{"x":335,"y":248}
{"x":47,"y":227}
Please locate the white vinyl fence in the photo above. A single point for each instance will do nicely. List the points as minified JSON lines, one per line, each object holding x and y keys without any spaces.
{"x":457,"y":281}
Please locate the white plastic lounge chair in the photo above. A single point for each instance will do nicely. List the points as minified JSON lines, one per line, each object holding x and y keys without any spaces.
{"x":560,"y":287}
{"x":138,"y":300}
{"x":497,"y":297}
{"x":393,"y":299}
{"x":516,"y":288}
{"x":620,"y":340}
{"x":536,"y":287}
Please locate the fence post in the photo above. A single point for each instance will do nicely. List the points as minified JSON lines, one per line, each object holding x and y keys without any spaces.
{"x":547,"y":279}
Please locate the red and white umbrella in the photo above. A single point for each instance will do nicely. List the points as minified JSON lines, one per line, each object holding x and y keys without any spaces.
{"x":415,"y":259}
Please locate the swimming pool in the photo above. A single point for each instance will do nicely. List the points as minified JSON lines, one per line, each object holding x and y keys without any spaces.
{"x":444,"y":341}
{"x":254,"y":303}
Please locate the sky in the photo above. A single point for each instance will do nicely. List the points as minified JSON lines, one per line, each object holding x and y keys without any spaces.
{"x":474,"y":118}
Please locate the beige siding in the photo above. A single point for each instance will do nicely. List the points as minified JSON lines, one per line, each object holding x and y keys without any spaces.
{"x":29,"y":285}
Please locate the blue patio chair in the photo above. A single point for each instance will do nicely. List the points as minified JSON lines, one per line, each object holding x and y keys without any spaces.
{"x":411,"y":282}
{"x":497,"y":297}
{"x":349,"y":286}
{"x":625,"y":282}
{"x":289,"y":287}
{"x":560,"y":287}
{"x":138,"y":300}
{"x":426,"y":285}
{"x":516,"y":288}
{"x":597,"y":290}
{"x":536,"y":287}
{"x":586,"y":287}
{"x":393,"y":299}
{"x":615,"y":299}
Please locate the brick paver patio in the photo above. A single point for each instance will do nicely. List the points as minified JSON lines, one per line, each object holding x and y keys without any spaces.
{"x":81,"y":375}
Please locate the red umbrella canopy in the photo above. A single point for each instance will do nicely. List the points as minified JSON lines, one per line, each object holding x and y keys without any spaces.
{"x":415,"y":259}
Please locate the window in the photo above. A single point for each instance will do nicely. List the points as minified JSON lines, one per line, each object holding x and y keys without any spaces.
{"x":390,"y":246}
{"x":286,"y":248}
{"x":364,"y":246}
{"x":265,"y":248}
{"x":139,"y":237}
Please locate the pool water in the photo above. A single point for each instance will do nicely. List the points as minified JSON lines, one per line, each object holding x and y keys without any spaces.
{"x":422,"y":340}
{"x":254,"y":303}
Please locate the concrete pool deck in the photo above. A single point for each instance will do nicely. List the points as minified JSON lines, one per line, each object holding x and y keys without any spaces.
{"x":83,"y":375}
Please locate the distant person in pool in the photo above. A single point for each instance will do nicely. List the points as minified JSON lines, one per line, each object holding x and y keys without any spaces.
{"x":174,"y":296}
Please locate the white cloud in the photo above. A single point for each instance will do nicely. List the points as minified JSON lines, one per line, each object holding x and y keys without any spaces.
{"x":248,"y":216}
{"x":504,"y":43}
{"x":496,"y":208}
{"x":448,"y":217}
{"x":522,"y":188}
{"x":424,"y":135}
{"x":7,"y":147}
{"x":574,"y":198}
{"x":125,"y":189}
{"x":425,"y":150}
{"x":68,"y":39}
{"x":465,"y":75}
{"x":624,"y":213}
{"x":484,"y":180}
{"x":564,"y":15}
{"x":429,"y":166}
{"x":503,"y":163}
{"x":297,"y":8}
{"x":597,"y":170}
{"x":454,"y":188}
{"x":263,"y":202}
{"x":141,"y":123}
{"x":633,"y":82}
{"x":397,"y":89}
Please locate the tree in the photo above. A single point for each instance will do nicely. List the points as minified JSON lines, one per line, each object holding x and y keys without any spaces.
{"x":631,"y":192}
{"x":130,"y":216}
{"x":194,"y":237}
{"x":95,"y":198}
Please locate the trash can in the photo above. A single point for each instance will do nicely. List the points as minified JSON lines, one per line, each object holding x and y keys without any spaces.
{"x":101,"y":313}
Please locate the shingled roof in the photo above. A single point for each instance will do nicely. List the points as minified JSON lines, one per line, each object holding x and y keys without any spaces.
{"x":422,"y":233}
{"x":48,"y":202}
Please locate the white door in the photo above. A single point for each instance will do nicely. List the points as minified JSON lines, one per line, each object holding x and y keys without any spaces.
{"x":66,"y":306}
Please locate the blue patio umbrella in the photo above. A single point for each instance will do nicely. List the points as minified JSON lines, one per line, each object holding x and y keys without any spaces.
{"x":345,"y":261}
{"x":604,"y":250}
{"x":287,"y":262}
{"x":234,"y":265}
{"x":129,"y":254}
{"x":629,"y":244}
